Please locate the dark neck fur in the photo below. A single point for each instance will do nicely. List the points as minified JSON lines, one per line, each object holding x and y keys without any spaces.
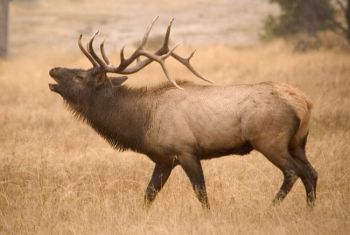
{"x":121,"y":116}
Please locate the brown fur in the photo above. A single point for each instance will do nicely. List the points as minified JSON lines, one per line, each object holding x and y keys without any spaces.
{"x":181,"y":127}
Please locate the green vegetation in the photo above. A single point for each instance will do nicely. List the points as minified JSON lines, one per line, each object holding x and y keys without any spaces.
{"x":310,"y":17}
{"x":298,"y":16}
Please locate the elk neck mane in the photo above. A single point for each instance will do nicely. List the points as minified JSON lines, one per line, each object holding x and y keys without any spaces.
{"x":122,"y":117}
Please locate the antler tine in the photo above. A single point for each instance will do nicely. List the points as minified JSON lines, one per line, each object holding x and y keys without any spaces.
{"x":102,"y":49}
{"x":126,"y":62}
{"x":159,"y":56}
{"x":86,"y":53}
{"x":153,"y":57}
{"x":187,"y":64}
{"x":141,"y":64}
{"x":150,"y":57}
{"x":148,"y":30}
{"x":92,"y":52}
{"x":165,"y":69}
{"x":165,"y":46}
{"x":122,"y":57}
{"x":167,"y":34}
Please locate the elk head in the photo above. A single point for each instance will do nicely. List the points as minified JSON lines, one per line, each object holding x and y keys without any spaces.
{"x":76,"y":86}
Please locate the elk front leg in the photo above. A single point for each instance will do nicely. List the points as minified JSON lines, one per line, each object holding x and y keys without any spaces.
{"x":193,"y":170}
{"x":160,"y":175}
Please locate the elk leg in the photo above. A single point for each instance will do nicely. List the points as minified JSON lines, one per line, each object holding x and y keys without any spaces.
{"x":193,"y":169}
{"x":309,"y":178}
{"x":160,"y":175}
{"x":281,"y":158}
{"x":285,"y":161}
{"x":290,"y":178}
{"x":312,"y":175}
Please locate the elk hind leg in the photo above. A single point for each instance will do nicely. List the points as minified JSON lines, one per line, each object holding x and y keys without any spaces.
{"x":280,"y":157}
{"x":285,"y":161}
{"x":290,"y":177}
{"x":308,"y":175}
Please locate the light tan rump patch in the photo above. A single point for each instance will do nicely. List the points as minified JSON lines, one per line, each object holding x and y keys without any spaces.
{"x":301,"y":104}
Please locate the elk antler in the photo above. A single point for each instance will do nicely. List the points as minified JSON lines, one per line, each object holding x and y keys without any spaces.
{"x":159,"y":56}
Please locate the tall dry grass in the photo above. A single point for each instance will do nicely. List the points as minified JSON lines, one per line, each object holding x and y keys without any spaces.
{"x":59,"y":177}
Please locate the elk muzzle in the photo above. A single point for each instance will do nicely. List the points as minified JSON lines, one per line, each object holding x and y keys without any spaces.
{"x":55,"y":74}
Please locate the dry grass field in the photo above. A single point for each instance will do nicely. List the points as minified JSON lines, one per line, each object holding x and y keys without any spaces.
{"x":57,"y":176}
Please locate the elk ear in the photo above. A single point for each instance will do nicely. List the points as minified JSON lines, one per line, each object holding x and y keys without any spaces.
{"x":118,"y":81}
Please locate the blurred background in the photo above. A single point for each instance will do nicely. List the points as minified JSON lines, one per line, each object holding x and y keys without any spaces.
{"x":58,"y":23}
{"x":39,"y":23}
{"x":57,"y":176}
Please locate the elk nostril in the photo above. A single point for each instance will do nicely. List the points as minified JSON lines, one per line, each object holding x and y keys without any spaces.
{"x":53,"y":72}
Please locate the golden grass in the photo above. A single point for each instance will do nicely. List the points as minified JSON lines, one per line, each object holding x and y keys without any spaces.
{"x":59,"y":177}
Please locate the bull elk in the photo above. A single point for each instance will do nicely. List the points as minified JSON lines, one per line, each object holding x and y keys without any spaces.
{"x":183,"y":123}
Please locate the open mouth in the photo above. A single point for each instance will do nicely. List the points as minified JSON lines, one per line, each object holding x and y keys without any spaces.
{"x":53,"y":87}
